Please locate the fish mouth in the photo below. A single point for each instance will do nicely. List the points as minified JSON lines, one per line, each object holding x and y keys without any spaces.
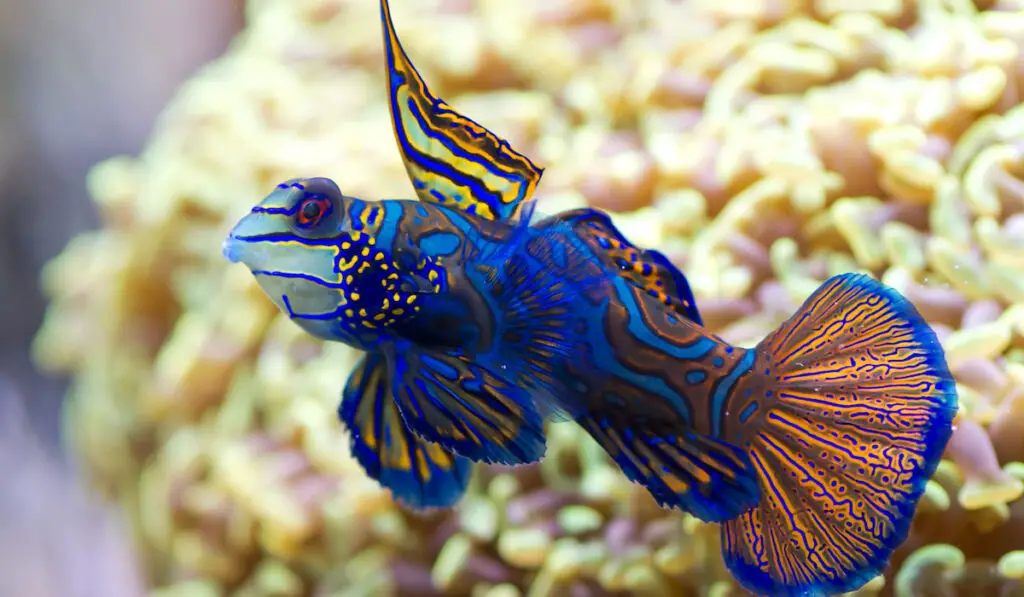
{"x":248,"y":241}
{"x":233,"y":249}
{"x":240,"y":249}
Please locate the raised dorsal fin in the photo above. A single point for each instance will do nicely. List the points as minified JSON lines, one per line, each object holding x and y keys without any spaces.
{"x":451,"y":160}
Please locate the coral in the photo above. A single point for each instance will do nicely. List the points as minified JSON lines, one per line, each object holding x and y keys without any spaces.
{"x":762,"y":145}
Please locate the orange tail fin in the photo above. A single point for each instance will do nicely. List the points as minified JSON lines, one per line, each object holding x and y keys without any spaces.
{"x":851,"y":409}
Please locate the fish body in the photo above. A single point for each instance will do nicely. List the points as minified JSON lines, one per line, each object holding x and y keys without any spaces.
{"x":479,"y":321}
{"x":811,"y":448}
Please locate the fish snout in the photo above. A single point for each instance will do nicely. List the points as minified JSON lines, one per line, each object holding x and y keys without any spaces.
{"x":243,"y":245}
{"x":232,"y":249}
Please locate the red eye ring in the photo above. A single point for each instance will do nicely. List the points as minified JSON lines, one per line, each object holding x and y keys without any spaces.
{"x":311,"y":211}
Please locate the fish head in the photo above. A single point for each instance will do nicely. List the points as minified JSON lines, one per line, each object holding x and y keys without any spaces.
{"x":335,"y":282}
{"x":291,"y":242}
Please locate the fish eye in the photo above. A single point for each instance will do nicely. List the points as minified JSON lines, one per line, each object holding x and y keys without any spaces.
{"x":312,"y":210}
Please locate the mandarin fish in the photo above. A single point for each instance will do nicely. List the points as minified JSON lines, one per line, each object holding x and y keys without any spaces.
{"x":480,"y":320}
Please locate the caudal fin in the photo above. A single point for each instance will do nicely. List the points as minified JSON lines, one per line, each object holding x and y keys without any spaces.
{"x":420,"y":474}
{"x":851,"y":407}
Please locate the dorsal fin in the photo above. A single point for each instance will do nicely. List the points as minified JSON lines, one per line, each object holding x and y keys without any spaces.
{"x":451,"y":160}
{"x":648,"y":269}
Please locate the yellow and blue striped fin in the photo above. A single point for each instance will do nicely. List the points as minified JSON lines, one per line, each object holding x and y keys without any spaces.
{"x":710,"y":479}
{"x":465,"y":407}
{"x":418,"y":473}
{"x":451,"y":160}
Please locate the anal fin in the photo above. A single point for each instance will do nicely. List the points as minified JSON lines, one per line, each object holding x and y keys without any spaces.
{"x":708,"y":478}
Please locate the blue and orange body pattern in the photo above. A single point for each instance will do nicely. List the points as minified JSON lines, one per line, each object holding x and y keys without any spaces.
{"x":479,"y":321}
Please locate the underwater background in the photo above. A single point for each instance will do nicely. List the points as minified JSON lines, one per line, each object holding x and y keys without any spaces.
{"x":762,"y":145}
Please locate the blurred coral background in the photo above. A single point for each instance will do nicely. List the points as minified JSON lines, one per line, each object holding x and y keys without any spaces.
{"x":762,"y":145}
{"x":80,"y":80}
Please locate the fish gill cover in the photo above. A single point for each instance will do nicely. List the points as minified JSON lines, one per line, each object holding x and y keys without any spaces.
{"x":762,"y":148}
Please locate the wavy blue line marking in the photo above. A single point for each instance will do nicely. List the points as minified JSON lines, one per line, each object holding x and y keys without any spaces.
{"x":724,"y":391}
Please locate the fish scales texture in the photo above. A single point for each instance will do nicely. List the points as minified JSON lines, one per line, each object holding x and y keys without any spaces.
{"x":811,"y":449}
